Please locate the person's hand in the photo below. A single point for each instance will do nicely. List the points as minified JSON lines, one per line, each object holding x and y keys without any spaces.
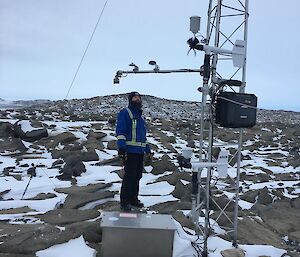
{"x":122,"y":154}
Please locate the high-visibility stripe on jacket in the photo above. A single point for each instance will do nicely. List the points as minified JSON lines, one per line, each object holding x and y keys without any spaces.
{"x":131,"y":131}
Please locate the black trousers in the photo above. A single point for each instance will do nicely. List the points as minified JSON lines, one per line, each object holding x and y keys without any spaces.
{"x":133,"y":167}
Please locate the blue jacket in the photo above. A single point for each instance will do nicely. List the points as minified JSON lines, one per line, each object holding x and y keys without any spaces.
{"x":131,"y":131}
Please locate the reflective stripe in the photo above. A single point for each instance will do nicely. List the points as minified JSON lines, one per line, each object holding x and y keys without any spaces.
{"x":133,"y":141}
{"x":133,"y":133}
{"x":121,"y":137}
{"x":129,"y":112}
{"x":136,"y":144}
{"x":134,"y":123}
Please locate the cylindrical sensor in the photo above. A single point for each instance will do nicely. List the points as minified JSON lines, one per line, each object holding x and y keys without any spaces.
{"x":194,"y":183}
{"x":195,"y":24}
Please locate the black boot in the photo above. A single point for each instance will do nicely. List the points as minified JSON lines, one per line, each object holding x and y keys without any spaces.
{"x":126,"y":207}
{"x":137,"y":204}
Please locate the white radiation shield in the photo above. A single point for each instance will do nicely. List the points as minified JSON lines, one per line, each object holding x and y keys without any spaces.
{"x":187,"y":152}
{"x":222,"y":162}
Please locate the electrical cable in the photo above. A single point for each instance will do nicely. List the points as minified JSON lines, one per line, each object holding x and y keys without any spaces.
{"x":238,"y":103}
{"x":195,"y":244}
{"x":186,"y":239}
{"x":72,"y":82}
{"x":86,"y":49}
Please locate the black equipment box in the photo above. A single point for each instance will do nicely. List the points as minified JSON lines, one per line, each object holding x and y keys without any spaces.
{"x":236,"y":110}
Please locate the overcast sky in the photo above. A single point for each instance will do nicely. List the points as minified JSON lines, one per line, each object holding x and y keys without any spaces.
{"x":42,"y":41}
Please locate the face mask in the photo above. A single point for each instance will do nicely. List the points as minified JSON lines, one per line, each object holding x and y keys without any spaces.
{"x":138,"y":105}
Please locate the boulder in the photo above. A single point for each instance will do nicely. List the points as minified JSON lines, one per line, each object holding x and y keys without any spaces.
{"x":6,"y":129}
{"x":296,"y":131}
{"x":278,"y":193}
{"x":73,"y":167}
{"x":3,"y":193}
{"x":263,"y":177}
{"x":183,"y":220}
{"x":121,"y":173}
{"x":264,"y":197}
{"x":222,"y":219}
{"x":163,"y":165}
{"x":90,"y":188}
{"x":34,"y":135}
{"x":43,"y":196}
{"x":112,"y":120}
{"x":295,"y":162}
{"x":296,"y":203}
{"x":25,"y":165}
{"x":233,"y":159}
{"x":171,"y":207}
{"x":16,"y":255}
{"x":32,"y":171}
{"x":253,"y":231}
{"x":115,"y":161}
{"x":62,"y":217}
{"x":89,"y":155}
{"x":64,"y":138}
{"x":112,"y":145}
{"x":176,"y":176}
{"x":223,"y":201}
{"x":34,"y":237}
{"x":29,"y":136}
{"x":96,"y":134}
{"x":91,"y":231}
{"x":12,"y":145}
{"x":215,"y":152}
{"x":182,"y":191}
{"x":280,"y":216}
{"x":79,"y":199}
{"x":93,"y":143}
{"x":285,"y":176}
{"x":98,"y":126}
{"x":295,"y":238}
{"x":57,"y":164}
{"x":85,"y":156}
{"x":250,"y":196}
{"x":31,"y":238}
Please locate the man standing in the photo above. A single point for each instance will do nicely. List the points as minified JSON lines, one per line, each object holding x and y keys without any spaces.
{"x":132,"y":144}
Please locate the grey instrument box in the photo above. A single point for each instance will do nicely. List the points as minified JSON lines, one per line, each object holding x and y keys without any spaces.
{"x":137,"y":235}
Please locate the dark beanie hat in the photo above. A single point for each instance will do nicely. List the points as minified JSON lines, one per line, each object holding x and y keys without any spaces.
{"x":132,"y":94}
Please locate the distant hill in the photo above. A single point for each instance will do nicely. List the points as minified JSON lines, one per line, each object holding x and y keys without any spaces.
{"x":5,"y":104}
{"x":154,"y":107}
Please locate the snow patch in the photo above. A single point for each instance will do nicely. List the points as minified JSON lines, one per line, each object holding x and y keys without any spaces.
{"x":75,"y":248}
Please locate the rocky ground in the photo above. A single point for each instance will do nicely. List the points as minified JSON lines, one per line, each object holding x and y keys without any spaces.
{"x":73,"y":147}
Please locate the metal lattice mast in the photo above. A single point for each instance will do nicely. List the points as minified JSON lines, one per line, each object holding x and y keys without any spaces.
{"x":227,"y":20}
